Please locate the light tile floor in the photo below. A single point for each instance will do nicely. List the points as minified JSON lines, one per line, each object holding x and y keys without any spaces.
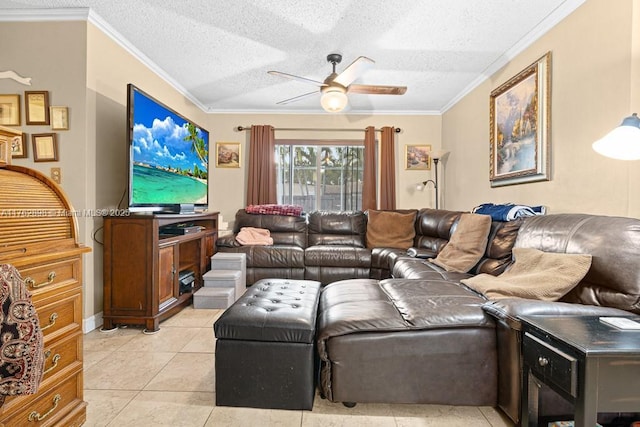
{"x":168,"y":379}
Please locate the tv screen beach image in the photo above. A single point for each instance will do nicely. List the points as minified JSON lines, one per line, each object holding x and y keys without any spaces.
{"x":169,"y":156}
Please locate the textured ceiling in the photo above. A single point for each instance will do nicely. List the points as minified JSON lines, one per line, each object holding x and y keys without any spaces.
{"x":218,"y":52}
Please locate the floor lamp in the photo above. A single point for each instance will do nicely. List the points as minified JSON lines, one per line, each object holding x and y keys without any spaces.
{"x":623,"y":142}
{"x":435,"y":156}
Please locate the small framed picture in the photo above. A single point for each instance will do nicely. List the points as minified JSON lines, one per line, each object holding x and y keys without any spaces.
{"x":417,"y":157}
{"x":19,"y":146}
{"x":45,"y":147}
{"x":36,"y":107}
{"x":59,"y":118}
{"x":6,"y":142}
{"x":228,"y":154}
{"x":5,"y":157}
{"x":10,"y":110}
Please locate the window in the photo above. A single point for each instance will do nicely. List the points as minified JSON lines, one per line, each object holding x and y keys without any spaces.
{"x":320,"y":176}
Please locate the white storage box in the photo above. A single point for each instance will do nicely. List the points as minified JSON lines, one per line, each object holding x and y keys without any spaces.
{"x":222,"y":278}
{"x":213,"y":298}
{"x":229,"y":261}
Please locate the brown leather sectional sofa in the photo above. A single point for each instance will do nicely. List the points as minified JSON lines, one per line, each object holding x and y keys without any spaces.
{"x":330,"y":246}
{"x":394,"y":328}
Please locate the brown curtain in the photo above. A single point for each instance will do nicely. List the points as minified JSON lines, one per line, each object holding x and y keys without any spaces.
{"x":387,"y":169}
{"x":369,"y":180}
{"x":261,"y":188}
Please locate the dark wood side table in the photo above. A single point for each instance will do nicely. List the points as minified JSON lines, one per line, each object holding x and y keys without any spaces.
{"x":592,"y":364}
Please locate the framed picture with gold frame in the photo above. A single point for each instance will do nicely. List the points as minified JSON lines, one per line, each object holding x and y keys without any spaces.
{"x":520,"y":123}
{"x":10,"y":110}
{"x":228,"y":154}
{"x":416,"y":157}
{"x":45,"y":147}
{"x":36,"y":107}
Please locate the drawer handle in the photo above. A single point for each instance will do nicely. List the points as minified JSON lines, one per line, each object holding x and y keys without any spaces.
{"x":54,"y":363}
{"x":35,"y":416}
{"x":32,"y":283}
{"x":543,"y":361}
{"x":52,"y":321}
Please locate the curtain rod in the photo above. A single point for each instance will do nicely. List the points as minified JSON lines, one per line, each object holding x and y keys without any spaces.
{"x":244,"y":128}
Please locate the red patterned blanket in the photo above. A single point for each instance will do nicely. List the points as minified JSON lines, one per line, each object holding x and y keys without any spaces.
{"x":291,"y":210}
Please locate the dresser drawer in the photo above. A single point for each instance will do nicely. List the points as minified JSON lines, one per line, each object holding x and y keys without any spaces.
{"x":551,"y":363}
{"x":55,"y":276}
{"x":48,"y":407}
{"x":60,"y":315}
{"x":62,"y":353}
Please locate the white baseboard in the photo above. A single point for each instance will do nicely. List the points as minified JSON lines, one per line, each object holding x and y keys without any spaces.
{"x":91,"y":323}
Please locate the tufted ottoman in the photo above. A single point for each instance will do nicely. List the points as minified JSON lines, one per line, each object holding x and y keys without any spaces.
{"x":265,"y":352}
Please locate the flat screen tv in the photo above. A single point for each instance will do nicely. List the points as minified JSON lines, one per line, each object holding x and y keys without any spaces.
{"x":168,"y":158}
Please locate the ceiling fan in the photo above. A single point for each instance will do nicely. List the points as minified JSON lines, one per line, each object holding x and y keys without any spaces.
{"x":335,"y":87}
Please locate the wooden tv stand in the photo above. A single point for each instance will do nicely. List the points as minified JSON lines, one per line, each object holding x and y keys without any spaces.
{"x":142,"y":263}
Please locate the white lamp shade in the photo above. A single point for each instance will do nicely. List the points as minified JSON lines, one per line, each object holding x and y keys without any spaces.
{"x":622,"y":143}
{"x":437,"y":154}
{"x":333,"y":100}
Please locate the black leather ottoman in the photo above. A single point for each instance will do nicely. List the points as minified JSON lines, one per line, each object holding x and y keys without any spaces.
{"x":265,"y":348}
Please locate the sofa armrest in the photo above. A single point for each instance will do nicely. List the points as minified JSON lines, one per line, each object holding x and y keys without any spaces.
{"x":421,"y":253}
{"x":228,"y":241}
{"x":508,"y":310}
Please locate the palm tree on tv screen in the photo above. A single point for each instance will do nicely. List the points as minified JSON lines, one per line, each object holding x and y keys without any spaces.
{"x":197,"y":144}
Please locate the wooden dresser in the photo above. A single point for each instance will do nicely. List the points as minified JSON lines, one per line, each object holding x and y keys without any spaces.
{"x":38,"y":235}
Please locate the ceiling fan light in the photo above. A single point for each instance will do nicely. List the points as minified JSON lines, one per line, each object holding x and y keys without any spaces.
{"x":333,"y":100}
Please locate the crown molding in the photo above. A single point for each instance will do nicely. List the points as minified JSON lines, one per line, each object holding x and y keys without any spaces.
{"x":322,"y":112}
{"x":88,"y":15}
{"x":124,"y":43}
{"x":42,"y":15}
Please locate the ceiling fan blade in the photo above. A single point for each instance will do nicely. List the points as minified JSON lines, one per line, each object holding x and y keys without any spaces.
{"x":354,"y":70}
{"x":377,"y":90}
{"x":297,"y":98}
{"x":300,"y":79}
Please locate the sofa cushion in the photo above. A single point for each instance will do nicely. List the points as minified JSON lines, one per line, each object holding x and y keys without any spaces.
{"x":499,"y":244}
{"x":391,"y":229}
{"x":467,"y":245}
{"x":614,"y":243}
{"x":433,"y":228}
{"x":337,"y":228}
{"x":337,"y":256}
{"x":285,"y":230}
{"x":535,"y":275}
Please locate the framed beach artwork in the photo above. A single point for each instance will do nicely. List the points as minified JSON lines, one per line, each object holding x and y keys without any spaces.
{"x":417,"y":157}
{"x":228,"y":154}
{"x":520,"y":118}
